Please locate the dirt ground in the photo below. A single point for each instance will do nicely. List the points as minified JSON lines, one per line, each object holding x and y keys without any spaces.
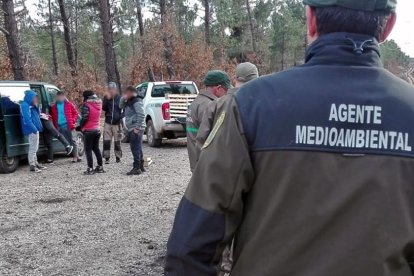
{"x":60,"y":222}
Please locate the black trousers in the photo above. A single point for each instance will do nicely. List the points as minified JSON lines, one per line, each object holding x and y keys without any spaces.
{"x":135,"y":141}
{"x":92,"y":146}
{"x":50,"y":132}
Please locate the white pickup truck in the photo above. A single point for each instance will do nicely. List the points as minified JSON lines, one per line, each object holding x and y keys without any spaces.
{"x":166,"y":105}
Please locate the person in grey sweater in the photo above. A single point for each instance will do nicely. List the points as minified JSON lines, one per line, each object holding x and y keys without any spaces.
{"x":135,"y":124}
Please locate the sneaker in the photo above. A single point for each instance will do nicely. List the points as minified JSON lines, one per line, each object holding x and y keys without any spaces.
{"x":40,"y":167}
{"x":69,"y":150}
{"x":118,"y":160}
{"x":135,"y":171}
{"x":49,"y":161}
{"x":89,"y":171}
{"x":107,"y":161}
{"x":35,"y":169}
{"x":99,"y":169}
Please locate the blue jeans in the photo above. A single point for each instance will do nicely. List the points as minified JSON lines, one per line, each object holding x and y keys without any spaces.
{"x":135,"y":141}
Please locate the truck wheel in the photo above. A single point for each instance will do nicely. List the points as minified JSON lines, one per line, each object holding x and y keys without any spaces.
{"x":8,"y":164}
{"x":80,"y":143}
{"x":151,"y":136}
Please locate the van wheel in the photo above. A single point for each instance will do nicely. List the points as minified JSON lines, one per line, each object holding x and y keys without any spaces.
{"x":80,"y":143}
{"x":8,"y":164}
{"x":151,"y":136}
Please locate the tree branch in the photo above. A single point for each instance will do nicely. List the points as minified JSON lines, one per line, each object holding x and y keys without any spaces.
{"x":4,"y":31}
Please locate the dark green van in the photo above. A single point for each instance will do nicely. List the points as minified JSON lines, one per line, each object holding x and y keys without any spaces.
{"x":13,"y":145}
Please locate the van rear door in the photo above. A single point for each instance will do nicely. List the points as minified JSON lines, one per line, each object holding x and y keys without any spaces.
{"x":11,"y":95}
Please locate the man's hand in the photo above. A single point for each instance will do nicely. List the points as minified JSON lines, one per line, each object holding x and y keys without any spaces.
{"x":137,"y":131}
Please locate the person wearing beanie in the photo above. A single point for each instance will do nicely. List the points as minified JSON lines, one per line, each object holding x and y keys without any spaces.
{"x":113,"y":122}
{"x":309,"y":171}
{"x":245,"y":72}
{"x":90,"y":126}
{"x":217,"y":84}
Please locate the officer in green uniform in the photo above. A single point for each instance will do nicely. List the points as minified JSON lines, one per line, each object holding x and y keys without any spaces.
{"x":217,"y":83}
{"x":311,"y":170}
{"x":245,"y":72}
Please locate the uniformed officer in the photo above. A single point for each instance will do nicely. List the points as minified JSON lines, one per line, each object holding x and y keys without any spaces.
{"x":245,"y":72}
{"x":217,"y":83}
{"x":311,"y":171}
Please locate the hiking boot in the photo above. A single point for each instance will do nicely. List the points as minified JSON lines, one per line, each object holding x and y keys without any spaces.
{"x":40,"y":167}
{"x":141,"y":166}
{"x":107,"y":161}
{"x":35,"y":169}
{"x":69,"y":150}
{"x":89,"y":171}
{"x":118,"y":160}
{"x":135,"y":171}
{"x":99,"y":169}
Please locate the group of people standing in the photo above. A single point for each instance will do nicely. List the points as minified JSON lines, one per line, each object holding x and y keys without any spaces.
{"x":62,"y":121}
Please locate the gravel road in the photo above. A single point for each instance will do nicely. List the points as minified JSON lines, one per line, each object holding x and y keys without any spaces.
{"x":60,"y":222}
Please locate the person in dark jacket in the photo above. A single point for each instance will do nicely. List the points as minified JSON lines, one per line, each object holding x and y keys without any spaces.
{"x":31,"y":127}
{"x":113,"y":123}
{"x":135,"y":124}
{"x":311,"y":170}
{"x":90,"y":126}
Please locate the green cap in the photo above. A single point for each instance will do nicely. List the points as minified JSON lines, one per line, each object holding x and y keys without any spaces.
{"x":246,"y":72}
{"x":217,"y":77}
{"x":363,"y":5}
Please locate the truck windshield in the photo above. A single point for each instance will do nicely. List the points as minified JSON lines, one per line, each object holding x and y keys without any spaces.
{"x":177,"y":89}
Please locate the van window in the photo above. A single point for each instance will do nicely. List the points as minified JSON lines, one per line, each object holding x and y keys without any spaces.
{"x":11,"y":98}
{"x":177,"y":89}
{"x":15,"y":94}
{"x":52,"y":95}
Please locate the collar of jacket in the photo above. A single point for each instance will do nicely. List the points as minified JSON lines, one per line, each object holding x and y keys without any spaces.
{"x":208,"y":95}
{"x":344,"y":49}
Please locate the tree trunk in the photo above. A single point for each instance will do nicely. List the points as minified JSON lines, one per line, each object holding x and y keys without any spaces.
{"x":108,"y":43}
{"x":53,"y":40}
{"x":68,"y":40}
{"x":12,"y":37}
{"x":167,"y":39}
{"x":150,"y":73}
{"x":249,"y":14}
{"x":207,"y":17}
{"x":140,"y":18}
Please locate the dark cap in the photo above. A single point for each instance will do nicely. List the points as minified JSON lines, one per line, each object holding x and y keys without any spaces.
{"x":87,"y":94}
{"x":60,"y":93}
{"x":217,"y":77}
{"x":362,"y":5}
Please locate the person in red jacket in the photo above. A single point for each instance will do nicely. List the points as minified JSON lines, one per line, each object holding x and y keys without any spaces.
{"x":90,"y":126}
{"x":65,"y":116}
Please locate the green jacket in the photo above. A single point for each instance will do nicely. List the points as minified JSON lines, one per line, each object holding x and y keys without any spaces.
{"x":195,"y":115}
{"x":310,"y":171}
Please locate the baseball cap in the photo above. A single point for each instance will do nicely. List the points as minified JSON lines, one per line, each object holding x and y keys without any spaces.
{"x":363,"y":5}
{"x":217,"y":77}
{"x":246,"y":72}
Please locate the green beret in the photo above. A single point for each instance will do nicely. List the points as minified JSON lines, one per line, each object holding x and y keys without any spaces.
{"x":363,"y":5}
{"x":217,"y":77}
